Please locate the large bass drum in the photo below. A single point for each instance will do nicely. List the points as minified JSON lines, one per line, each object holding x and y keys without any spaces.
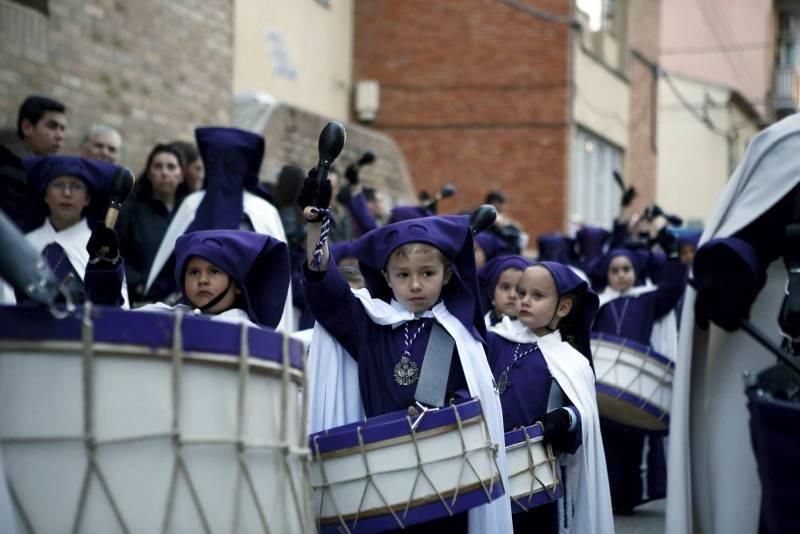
{"x":142,"y":422}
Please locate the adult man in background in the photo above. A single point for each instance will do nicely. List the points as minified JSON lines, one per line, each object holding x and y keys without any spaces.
{"x":102,"y":143}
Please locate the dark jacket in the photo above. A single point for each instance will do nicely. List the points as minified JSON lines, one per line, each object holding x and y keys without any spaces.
{"x":142,"y":224}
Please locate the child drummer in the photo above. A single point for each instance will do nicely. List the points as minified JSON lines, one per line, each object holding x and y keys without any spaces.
{"x":631,"y":309}
{"x":421,"y":273}
{"x":542,"y":366}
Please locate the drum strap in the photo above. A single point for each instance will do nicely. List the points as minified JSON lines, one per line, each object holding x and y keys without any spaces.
{"x":435,"y":372}
{"x":555,"y":399}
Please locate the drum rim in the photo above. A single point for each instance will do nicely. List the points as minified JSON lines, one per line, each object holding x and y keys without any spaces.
{"x":537,"y":498}
{"x":652,"y":409}
{"x":397,"y":440}
{"x":392,"y":425}
{"x":517,"y":436}
{"x":150,"y":330}
{"x":104,"y":350}
{"x":642,"y":350}
{"x":473,"y":495}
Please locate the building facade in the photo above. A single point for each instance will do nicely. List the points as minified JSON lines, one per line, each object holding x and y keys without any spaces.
{"x":151,"y":69}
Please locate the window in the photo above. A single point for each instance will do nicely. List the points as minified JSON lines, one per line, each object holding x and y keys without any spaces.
{"x":593,"y":194}
{"x":38,"y":5}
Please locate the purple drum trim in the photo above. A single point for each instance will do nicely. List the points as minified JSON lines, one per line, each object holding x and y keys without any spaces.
{"x":657,"y":356}
{"x":537,"y":499}
{"x":417,"y":514}
{"x":634,"y":401}
{"x":152,"y":330}
{"x":388,"y":426}
{"x":517,"y":436}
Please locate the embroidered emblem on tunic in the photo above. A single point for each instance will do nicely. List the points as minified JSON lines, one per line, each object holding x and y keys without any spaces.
{"x":406,"y":372}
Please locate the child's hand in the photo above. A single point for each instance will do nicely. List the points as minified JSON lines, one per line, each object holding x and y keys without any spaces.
{"x":314,"y":195}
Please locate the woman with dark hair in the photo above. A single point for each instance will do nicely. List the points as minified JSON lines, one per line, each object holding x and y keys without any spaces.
{"x":144,"y":220}
{"x":194,"y":173}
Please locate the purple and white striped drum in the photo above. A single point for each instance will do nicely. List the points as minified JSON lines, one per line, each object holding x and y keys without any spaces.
{"x":634,"y":382}
{"x":532,"y":469}
{"x":397,"y":470}
{"x":140,"y":422}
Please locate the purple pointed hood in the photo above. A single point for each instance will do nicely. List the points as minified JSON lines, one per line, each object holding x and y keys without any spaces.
{"x":258,"y":263}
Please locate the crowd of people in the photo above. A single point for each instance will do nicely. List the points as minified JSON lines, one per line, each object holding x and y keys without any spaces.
{"x":201,"y":233}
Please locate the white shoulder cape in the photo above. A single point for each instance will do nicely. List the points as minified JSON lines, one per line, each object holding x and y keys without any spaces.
{"x":265,"y":221}
{"x":712,"y":478}
{"x":73,"y":240}
{"x":332,"y":372}
{"x":234,"y":315}
{"x":587,"y":476}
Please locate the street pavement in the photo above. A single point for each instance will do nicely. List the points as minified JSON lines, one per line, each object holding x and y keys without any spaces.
{"x":648,"y":519}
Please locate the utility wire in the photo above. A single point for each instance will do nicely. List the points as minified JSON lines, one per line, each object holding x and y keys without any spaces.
{"x":741,"y":47}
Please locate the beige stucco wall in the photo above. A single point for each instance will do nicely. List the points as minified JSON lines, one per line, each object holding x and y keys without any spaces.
{"x":694,"y":162}
{"x":299,"y":52}
{"x":602,"y":99}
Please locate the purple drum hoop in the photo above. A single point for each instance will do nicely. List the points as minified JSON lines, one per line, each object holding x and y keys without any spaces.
{"x":634,"y":401}
{"x":388,"y":426}
{"x":150,"y":330}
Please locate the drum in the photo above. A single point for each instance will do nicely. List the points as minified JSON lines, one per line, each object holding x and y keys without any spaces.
{"x":774,"y":405}
{"x":634,"y":383}
{"x":532,"y":469}
{"x":397,"y":469}
{"x":141,"y":422}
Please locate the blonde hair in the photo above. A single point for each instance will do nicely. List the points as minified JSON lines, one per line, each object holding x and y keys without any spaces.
{"x":404,"y":251}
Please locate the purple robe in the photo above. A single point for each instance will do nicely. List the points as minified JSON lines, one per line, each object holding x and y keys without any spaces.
{"x":359,"y":211}
{"x":376,"y":348}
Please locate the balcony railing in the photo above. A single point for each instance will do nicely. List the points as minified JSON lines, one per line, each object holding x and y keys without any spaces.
{"x":786,"y":91}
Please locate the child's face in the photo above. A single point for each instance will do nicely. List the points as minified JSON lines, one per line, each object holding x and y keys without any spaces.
{"x":203,"y":281}
{"x":505,"y":293}
{"x":417,"y":278}
{"x":621,"y":275}
{"x":539,"y":305}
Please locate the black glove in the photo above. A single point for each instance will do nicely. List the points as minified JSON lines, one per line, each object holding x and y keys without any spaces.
{"x":351,"y":173}
{"x":103,"y":244}
{"x":628,"y":195}
{"x":668,"y":242}
{"x":556,"y":428}
{"x":313,"y":193}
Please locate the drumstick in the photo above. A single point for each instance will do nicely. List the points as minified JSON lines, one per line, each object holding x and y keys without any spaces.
{"x":768,"y":344}
{"x":482,"y":218}
{"x":447,"y":191}
{"x":120,"y":189}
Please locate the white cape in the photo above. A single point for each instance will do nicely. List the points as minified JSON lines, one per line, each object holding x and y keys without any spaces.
{"x":234,"y":315}
{"x":73,"y":240}
{"x":713,"y":482}
{"x":328,"y":360}
{"x":589,"y":506}
{"x":265,"y":221}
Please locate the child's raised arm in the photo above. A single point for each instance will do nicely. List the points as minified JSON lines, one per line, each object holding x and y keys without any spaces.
{"x":315,"y":200}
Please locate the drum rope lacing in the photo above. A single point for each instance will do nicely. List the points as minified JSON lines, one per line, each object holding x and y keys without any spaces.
{"x":302,"y":506}
{"x":533,"y":467}
{"x":465,"y":454}
{"x":640,"y":370}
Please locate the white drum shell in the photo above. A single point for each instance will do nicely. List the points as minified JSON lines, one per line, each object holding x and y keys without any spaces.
{"x":532,"y":469}
{"x":42,"y":428}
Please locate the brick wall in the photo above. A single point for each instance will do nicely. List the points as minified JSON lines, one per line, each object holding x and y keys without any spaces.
{"x":475,"y":93}
{"x":154,"y":69}
{"x":643,"y":25}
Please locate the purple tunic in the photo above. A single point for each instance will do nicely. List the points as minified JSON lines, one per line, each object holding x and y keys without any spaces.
{"x":633,"y":317}
{"x":525,"y":398}
{"x":376,"y":348}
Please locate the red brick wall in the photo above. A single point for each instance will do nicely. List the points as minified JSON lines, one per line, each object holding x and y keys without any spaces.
{"x":643,"y":25}
{"x":475,"y":93}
